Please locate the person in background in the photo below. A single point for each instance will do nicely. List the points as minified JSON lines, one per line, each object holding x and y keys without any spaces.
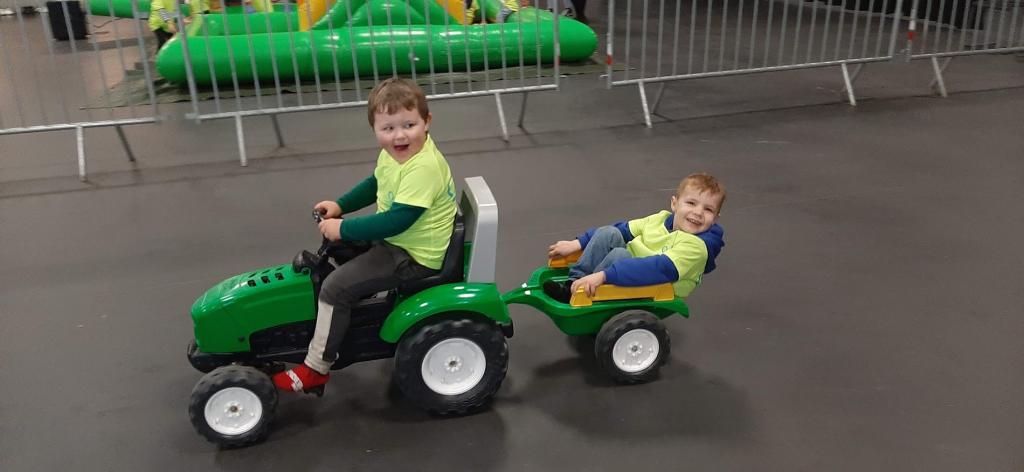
{"x":576,"y":9}
{"x":163,"y":16}
{"x":504,"y":9}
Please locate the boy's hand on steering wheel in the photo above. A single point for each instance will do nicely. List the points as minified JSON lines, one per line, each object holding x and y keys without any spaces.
{"x":589,"y":283}
{"x":331,"y":229}
{"x":564,"y":248}
{"x":328,"y":209}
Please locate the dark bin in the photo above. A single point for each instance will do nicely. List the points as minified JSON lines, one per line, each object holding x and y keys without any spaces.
{"x":76,"y":18}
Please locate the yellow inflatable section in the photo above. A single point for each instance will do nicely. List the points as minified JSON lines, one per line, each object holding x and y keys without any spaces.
{"x":310,"y":11}
{"x":455,"y":8}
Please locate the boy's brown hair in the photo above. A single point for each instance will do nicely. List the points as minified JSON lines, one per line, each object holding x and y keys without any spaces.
{"x":394,"y":95}
{"x":702,"y":182}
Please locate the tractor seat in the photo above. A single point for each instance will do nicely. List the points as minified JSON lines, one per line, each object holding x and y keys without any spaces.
{"x":451,"y":269}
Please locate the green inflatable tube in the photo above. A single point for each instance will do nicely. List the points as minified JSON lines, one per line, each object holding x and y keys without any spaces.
{"x":407,"y":47}
{"x":122,"y":8}
{"x":219,"y":24}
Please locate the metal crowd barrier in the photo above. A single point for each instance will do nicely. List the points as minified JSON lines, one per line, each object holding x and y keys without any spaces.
{"x":307,"y":76}
{"x":233,"y":66}
{"x":223,"y":71}
{"x":42,"y":97}
{"x":657,"y":41}
{"x":945,"y":29}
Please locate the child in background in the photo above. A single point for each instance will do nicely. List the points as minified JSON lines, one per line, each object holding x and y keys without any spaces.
{"x":494,"y":11}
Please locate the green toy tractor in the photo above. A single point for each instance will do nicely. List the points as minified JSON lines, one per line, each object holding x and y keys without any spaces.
{"x":447,"y":332}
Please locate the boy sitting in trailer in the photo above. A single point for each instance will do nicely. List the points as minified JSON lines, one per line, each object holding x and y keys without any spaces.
{"x":676,"y":247}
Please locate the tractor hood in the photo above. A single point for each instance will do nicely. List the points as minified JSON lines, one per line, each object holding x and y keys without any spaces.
{"x":229,"y":312}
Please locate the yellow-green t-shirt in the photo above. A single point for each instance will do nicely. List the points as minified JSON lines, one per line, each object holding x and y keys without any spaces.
{"x":474,"y":8}
{"x":688,"y":252}
{"x":424,"y":181}
{"x":170,"y":7}
{"x":156,"y":21}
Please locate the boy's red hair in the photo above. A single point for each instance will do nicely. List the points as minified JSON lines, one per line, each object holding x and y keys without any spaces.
{"x":702,"y":182}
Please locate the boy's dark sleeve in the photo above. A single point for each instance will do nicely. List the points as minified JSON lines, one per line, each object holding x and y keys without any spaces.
{"x":361,"y":196}
{"x":638,"y":271}
{"x":714,"y":239}
{"x":381,"y":225}
{"x":622,"y":226}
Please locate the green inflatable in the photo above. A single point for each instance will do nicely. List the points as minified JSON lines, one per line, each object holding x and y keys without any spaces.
{"x":357,"y":35}
{"x":123,"y":8}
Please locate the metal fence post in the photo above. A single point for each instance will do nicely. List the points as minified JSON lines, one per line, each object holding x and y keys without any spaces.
{"x":940,"y":84}
{"x":80,"y":146}
{"x":848,"y":85}
{"x":643,"y":103}
{"x":501,"y":116}
{"x":240,"y":134}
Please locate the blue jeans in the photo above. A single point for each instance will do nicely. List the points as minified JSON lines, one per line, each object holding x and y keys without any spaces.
{"x":606,"y":247}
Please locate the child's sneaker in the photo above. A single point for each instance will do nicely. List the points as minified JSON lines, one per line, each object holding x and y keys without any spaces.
{"x":301,"y":379}
{"x":559,"y":291}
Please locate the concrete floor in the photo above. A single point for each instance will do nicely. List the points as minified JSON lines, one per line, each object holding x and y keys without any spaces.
{"x":864,"y":316}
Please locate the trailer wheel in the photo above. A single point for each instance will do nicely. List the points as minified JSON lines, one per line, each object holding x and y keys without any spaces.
{"x":632,"y":346}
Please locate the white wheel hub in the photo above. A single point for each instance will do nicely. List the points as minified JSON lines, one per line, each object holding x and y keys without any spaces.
{"x":453,"y":366}
{"x":636,"y":350}
{"x":233,"y":411}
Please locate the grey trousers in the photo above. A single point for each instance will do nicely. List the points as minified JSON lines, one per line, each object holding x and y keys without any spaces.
{"x":383,"y":267}
{"x":604,"y":248}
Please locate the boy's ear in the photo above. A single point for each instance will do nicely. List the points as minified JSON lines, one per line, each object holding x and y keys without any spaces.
{"x":427,"y":121}
{"x":672,"y":203}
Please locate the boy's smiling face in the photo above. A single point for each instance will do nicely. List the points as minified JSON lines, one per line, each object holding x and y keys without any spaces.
{"x":695,"y":211}
{"x":401,"y":134}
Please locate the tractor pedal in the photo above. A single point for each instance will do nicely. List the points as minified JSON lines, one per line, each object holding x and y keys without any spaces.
{"x":318,"y":391}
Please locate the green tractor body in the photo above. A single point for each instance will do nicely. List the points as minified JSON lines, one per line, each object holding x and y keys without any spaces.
{"x":269,"y":315}
{"x":447,"y":332}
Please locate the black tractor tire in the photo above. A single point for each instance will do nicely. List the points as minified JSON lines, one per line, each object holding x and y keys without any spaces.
{"x":463,"y":346}
{"x":243,"y":397}
{"x":640,"y":354}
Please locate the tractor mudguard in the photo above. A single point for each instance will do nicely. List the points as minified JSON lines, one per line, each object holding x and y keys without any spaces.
{"x":482,"y":298}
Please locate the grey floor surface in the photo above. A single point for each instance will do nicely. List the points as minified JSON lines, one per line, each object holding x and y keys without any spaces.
{"x":865,"y":314}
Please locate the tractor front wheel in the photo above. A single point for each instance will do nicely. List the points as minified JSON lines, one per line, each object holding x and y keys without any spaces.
{"x":233,"y":406}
